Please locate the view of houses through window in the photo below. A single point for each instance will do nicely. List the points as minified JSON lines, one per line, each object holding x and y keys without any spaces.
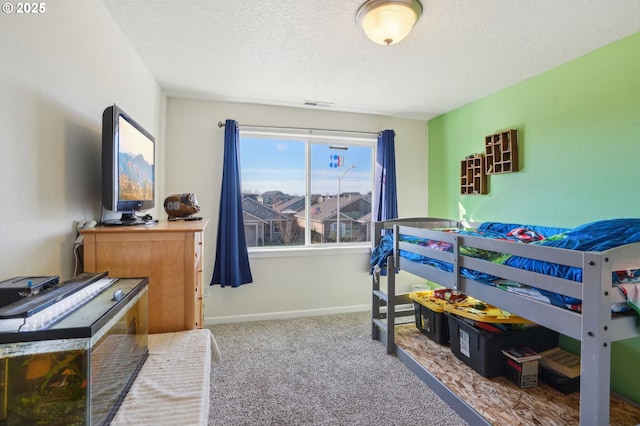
{"x":301,"y":192}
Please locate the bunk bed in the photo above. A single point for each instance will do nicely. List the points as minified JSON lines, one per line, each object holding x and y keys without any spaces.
{"x":451,"y":262}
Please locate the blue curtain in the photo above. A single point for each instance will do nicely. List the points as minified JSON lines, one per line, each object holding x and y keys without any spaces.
{"x":385,"y":202}
{"x":232,"y":259}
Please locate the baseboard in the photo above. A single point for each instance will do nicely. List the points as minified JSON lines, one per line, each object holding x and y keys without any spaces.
{"x":284,"y":315}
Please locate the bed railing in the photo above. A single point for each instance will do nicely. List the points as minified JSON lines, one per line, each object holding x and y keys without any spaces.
{"x":595,"y":290}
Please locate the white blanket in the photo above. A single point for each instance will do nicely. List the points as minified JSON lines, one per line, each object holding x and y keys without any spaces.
{"x":172,"y":388}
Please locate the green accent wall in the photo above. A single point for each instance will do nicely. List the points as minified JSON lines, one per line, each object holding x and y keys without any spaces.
{"x":579,"y":156}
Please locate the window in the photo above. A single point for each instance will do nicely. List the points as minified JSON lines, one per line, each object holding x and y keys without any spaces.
{"x":306,"y":190}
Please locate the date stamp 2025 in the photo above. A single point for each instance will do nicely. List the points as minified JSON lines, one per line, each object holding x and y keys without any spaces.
{"x":24,"y":8}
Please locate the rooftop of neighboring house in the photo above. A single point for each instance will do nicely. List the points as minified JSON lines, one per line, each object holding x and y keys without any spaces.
{"x":259,"y":210}
{"x":350,"y":205}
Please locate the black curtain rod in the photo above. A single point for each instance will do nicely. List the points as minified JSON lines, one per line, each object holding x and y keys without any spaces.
{"x":221,"y":124}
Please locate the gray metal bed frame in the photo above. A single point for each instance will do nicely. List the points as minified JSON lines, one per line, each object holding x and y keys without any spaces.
{"x":595,"y":327}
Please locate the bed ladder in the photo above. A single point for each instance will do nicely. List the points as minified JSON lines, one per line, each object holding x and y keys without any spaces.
{"x":382,"y":325}
{"x":384,"y":307}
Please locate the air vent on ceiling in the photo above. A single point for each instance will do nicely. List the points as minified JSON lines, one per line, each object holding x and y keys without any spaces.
{"x":318,"y":104}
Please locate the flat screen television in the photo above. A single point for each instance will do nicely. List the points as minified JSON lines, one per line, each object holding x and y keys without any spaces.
{"x":128,"y":168}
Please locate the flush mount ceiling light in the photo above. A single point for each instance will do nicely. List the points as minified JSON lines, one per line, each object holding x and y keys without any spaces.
{"x":387,"y":22}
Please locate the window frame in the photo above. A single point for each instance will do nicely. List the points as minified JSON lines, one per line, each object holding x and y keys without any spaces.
{"x":310,"y":137}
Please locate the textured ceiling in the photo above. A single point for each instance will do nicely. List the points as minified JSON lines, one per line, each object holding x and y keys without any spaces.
{"x":285,"y":52}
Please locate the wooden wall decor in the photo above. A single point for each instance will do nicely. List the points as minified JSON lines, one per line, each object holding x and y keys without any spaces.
{"x":473,"y":177}
{"x":501,"y":152}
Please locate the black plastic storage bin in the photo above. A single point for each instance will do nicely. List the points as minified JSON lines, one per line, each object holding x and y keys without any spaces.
{"x":432,"y":324}
{"x":481,"y":350}
{"x":557,"y":381}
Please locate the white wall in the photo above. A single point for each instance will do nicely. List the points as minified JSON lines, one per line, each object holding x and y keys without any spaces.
{"x":58,"y":71}
{"x":283,"y":286}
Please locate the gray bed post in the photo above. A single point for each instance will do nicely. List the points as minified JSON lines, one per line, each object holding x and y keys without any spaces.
{"x":375,"y":305}
{"x":595,"y":362}
{"x":391,"y":305}
{"x":456,"y":263}
{"x":375,"y":286}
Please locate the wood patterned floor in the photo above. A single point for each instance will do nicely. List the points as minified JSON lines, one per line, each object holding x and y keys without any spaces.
{"x":497,"y":399}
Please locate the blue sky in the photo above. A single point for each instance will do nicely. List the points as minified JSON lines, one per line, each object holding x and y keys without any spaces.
{"x":270,"y":165}
{"x":134,"y":142}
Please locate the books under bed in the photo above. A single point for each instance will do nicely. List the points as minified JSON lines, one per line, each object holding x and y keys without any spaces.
{"x":582,"y":282}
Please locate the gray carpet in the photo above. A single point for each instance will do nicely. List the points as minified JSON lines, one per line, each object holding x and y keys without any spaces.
{"x":321,"y":370}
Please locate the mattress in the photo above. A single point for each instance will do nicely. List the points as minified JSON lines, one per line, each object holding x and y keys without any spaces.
{"x":172,"y":388}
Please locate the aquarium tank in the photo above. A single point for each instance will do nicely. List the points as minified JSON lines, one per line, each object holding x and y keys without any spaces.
{"x":69,"y":354}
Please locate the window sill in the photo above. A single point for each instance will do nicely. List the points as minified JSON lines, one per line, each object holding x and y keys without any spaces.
{"x":260,"y":253}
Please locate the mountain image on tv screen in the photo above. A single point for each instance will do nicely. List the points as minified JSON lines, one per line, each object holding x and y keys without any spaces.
{"x":135,"y":164}
{"x":135,"y":180}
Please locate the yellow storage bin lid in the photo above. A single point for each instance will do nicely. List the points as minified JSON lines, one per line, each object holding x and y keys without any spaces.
{"x":468,"y":307}
{"x":426,"y":298}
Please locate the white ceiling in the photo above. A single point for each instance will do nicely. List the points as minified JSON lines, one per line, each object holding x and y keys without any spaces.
{"x":285,"y":52}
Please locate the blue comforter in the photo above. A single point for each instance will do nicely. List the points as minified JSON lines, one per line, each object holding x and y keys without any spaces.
{"x":595,"y":236}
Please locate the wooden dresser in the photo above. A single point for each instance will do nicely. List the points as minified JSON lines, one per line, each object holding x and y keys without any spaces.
{"x":169,"y":253}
